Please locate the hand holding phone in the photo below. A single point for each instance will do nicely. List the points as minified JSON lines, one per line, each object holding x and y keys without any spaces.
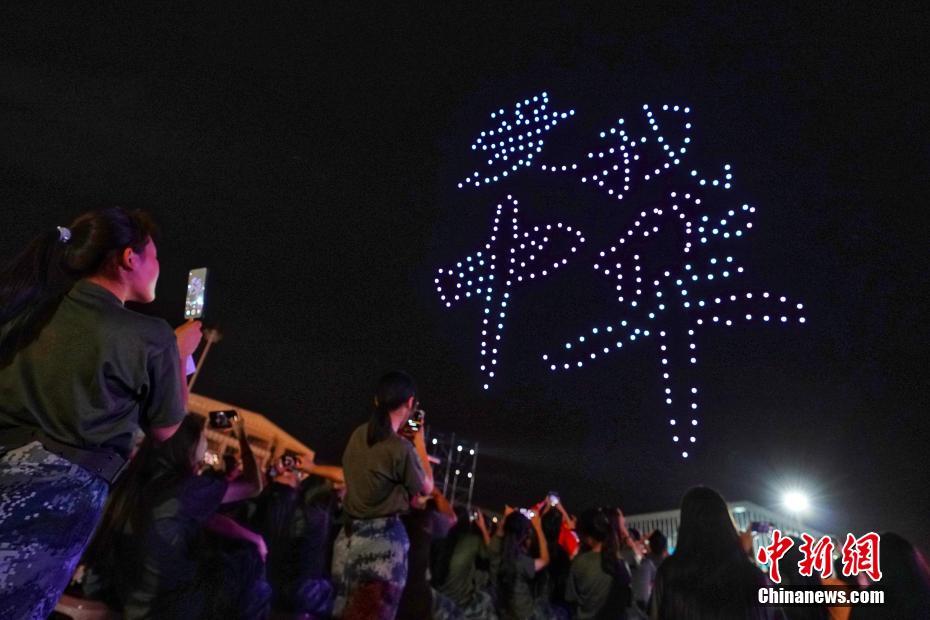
{"x":223,"y":419}
{"x":415,"y":422}
{"x":188,"y":335}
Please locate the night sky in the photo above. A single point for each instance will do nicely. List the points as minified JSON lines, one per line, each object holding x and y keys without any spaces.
{"x":309,"y":156}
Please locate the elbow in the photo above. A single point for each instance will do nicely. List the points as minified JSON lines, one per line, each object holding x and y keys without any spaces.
{"x":164,"y":433}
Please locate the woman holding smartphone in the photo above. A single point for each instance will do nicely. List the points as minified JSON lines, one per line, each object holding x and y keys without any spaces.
{"x":79,"y":375}
{"x":383,"y":473}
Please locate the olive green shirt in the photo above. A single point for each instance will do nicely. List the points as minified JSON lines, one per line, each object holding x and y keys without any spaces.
{"x":380,"y":479}
{"x":95,"y":375}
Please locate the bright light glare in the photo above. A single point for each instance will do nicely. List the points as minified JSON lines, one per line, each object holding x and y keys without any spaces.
{"x":795,"y":501}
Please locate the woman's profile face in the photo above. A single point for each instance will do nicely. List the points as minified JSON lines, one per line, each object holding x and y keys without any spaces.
{"x":144,"y":275}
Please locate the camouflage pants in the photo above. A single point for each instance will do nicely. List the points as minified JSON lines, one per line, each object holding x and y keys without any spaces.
{"x":370,"y":569}
{"x":49,"y":508}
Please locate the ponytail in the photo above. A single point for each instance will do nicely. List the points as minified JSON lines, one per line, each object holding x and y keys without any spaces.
{"x":598,"y":525}
{"x":394,"y":389}
{"x":33,"y":283}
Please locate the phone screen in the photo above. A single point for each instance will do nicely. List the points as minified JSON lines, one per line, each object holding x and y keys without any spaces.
{"x":196,"y":292}
{"x":223,"y":418}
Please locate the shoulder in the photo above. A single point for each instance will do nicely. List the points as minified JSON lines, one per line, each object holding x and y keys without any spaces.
{"x":150,"y":332}
{"x":584,"y":560}
{"x":359,"y":437}
{"x":357,"y":446}
{"x":153,"y":331}
{"x":400,"y":448}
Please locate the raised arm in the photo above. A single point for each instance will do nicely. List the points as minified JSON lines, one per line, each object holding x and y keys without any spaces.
{"x":248,"y":485}
{"x":543,"y":560}
{"x":419,"y":444}
{"x":483,"y":528}
{"x":444,"y":507}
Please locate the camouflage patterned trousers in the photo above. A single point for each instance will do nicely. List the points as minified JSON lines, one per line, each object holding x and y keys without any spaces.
{"x":370,"y":569}
{"x":49,"y":508}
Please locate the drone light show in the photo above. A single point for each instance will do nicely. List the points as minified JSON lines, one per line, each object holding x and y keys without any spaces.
{"x":665,"y":298}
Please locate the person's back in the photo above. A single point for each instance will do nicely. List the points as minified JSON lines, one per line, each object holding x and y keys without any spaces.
{"x":905,"y":582}
{"x":710,"y":576}
{"x":728,"y":594}
{"x":459,"y":584}
{"x":80,"y":375}
{"x":91,"y":371}
{"x":383,"y":472}
{"x":589,"y":586}
{"x":380,"y":478}
{"x":516,"y":587}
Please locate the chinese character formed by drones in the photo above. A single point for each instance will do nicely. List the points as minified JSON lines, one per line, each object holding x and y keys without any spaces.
{"x":672,"y":268}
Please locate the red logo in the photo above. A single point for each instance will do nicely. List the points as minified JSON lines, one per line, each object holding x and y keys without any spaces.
{"x":774,"y":552}
{"x":818,"y":555}
{"x":860,"y":555}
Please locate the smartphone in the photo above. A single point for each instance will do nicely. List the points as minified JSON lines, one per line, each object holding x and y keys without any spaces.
{"x":416,"y":420}
{"x":223,"y":418}
{"x":196,"y":292}
{"x":553,"y":498}
{"x":526,"y":512}
{"x":290,"y":460}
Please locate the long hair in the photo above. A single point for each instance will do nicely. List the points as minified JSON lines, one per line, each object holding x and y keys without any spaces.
{"x":155,"y":471}
{"x":905,"y":578}
{"x":600,"y":525}
{"x":443,"y":549}
{"x":596,"y":524}
{"x":33,"y":283}
{"x":394,"y":389}
{"x":516,"y":534}
{"x":709,"y":571}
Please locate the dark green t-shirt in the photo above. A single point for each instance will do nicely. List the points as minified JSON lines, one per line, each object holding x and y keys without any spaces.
{"x":380,"y":479}
{"x":518,"y":602}
{"x":588,"y":585}
{"x":96,"y":374}
{"x":460,"y":584}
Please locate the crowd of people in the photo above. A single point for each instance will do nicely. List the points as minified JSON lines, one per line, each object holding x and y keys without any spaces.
{"x":104,"y":491}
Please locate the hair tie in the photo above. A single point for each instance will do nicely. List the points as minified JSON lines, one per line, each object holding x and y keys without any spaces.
{"x":64,"y":234}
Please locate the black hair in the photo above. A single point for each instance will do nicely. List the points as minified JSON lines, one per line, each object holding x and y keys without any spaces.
{"x":709,"y":572}
{"x":597,"y":525}
{"x":905,"y":578}
{"x":516,"y":534}
{"x":658,"y":544}
{"x":33,"y":283}
{"x":394,"y":389}
{"x":154,"y":471}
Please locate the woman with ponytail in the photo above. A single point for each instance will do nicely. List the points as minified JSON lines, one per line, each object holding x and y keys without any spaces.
{"x":599,"y":581}
{"x":383,"y":473}
{"x":513,"y":569}
{"x":80,"y":374}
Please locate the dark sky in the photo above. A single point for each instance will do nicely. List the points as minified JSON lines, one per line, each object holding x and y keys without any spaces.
{"x":309,"y":155}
